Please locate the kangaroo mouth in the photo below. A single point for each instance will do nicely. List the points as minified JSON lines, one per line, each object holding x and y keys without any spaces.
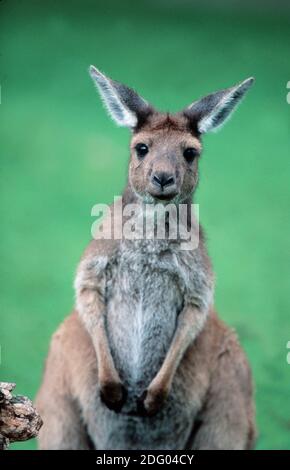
{"x":163,"y":196}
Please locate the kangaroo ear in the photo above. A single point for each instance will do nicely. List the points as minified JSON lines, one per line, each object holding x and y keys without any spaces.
{"x":210,"y":112}
{"x":123,"y":104}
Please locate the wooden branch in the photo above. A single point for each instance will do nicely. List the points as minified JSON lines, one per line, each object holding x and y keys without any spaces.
{"x":19,"y":420}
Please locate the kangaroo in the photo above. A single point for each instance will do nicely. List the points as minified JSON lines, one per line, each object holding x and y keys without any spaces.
{"x":144,"y":362}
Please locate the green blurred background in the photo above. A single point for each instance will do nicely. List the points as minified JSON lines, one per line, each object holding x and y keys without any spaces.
{"x":60,"y":155}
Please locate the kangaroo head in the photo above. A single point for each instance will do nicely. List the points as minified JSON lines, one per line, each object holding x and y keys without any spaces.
{"x":165,"y":148}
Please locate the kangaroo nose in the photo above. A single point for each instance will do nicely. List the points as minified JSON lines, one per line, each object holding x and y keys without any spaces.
{"x":163,"y":180}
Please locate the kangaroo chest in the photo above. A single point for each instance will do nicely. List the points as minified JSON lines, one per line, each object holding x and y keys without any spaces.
{"x":146,"y":292}
{"x":147,"y":286}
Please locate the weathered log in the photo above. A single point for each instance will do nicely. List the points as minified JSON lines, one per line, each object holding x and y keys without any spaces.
{"x":19,"y":420}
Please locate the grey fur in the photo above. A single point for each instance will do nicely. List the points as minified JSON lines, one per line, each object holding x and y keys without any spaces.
{"x":213,"y":110}
{"x":124,"y":105}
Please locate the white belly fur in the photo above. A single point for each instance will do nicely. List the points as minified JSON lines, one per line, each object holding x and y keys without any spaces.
{"x":145,"y":299}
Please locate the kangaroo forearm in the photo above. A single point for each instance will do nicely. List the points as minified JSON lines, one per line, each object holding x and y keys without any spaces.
{"x":92,"y":312}
{"x":91,"y":309}
{"x":190,"y":323}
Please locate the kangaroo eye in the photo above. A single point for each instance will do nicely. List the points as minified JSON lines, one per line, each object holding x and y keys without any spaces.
{"x":189,"y":154}
{"x":141,"y":149}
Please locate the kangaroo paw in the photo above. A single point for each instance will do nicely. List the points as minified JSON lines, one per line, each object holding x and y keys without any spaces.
{"x":113,"y":395}
{"x":151,"y":401}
